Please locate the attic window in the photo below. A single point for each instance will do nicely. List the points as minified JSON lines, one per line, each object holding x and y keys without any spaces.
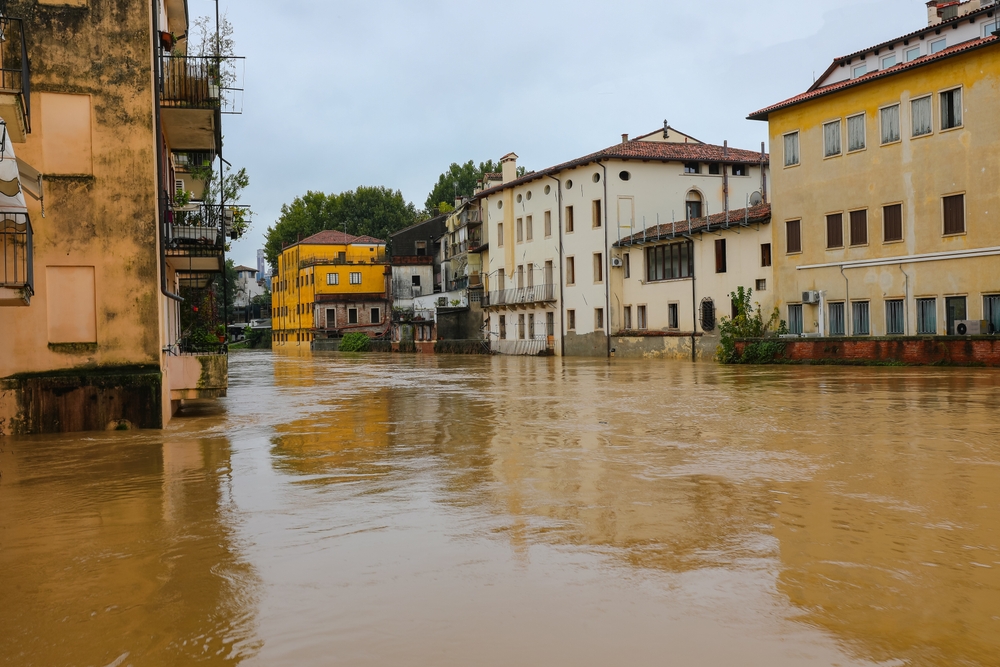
{"x":569,"y":184}
{"x":692,"y":168}
{"x":596,"y":177}
{"x":548,"y":189}
{"x":528,"y":195}
{"x":860,"y":70}
{"x":739,"y":170}
{"x":713,"y":168}
{"x":519,"y":197}
{"x":624,"y":175}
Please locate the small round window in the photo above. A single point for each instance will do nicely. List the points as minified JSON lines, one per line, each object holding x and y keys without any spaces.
{"x":500,"y":204}
{"x":528,"y":195}
{"x":519,"y":199}
{"x":597,"y":177}
{"x":569,"y":184}
{"x":624,"y":175}
{"x":548,"y":189}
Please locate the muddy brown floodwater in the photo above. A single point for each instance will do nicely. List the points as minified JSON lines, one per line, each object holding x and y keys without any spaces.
{"x":421,"y":510}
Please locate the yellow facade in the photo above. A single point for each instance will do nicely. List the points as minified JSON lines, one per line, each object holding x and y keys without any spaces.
{"x":313,"y":275}
{"x":916,"y":173}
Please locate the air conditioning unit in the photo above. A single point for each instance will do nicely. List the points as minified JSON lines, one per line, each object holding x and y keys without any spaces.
{"x":616,"y":261}
{"x":971,"y":327}
{"x":810,"y":296}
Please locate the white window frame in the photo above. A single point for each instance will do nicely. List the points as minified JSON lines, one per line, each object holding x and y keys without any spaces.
{"x":899,"y":122}
{"x":355,"y":277}
{"x":934,"y":46}
{"x":908,"y":55}
{"x":892,"y":64}
{"x":333,"y":279}
{"x":372,"y":315}
{"x":856,"y":74}
{"x":920,"y":98}
{"x":840,"y":138}
{"x":961,"y":94}
{"x":990,"y":27}
{"x":784,"y":148}
{"x":864,"y":132}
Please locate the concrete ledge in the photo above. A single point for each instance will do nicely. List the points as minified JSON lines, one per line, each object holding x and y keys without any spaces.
{"x":198,"y":376}
{"x":903,"y":350}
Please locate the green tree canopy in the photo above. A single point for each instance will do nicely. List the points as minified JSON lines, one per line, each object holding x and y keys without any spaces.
{"x":460,"y":179}
{"x":373,"y":211}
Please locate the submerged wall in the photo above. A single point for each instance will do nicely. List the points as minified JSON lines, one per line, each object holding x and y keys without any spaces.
{"x":914,"y":350}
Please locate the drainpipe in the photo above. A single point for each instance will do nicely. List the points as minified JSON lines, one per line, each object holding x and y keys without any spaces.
{"x":160,"y":197}
{"x":847,"y":304}
{"x":906,"y":299}
{"x":694,"y":303}
{"x":562,"y":303}
{"x":607,"y":262}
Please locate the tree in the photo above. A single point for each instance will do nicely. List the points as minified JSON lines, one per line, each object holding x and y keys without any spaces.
{"x":232,"y":187}
{"x":373,"y":211}
{"x":460,"y":180}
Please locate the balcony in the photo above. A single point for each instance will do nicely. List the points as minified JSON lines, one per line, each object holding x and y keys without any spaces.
{"x":343,"y":259}
{"x":195,"y":236}
{"x":194,"y":92}
{"x":520,"y":297}
{"x":16,"y":269}
{"x":15,"y":80}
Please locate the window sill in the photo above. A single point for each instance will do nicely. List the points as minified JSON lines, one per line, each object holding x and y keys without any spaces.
{"x":792,"y":166}
{"x":951,"y":129}
{"x":892,"y":143}
{"x":830,"y":157}
{"x":859,"y":245}
{"x":857,"y":150}
{"x":835,"y":247}
{"x":892,"y":242}
{"x":797,"y":252}
{"x":921,"y":136}
{"x":953,"y":234}
{"x":664,"y":280}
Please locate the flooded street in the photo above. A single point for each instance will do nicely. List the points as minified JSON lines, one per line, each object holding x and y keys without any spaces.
{"x":421,"y":510}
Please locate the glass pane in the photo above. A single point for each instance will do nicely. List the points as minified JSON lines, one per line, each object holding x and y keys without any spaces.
{"x":921,"y":116}
{"x":855,"y":133}
{"x":890,"y":124}
{"x":791,"y":149}
{"x":831,"y":139}
{"x":859,"y":317}
{"x":836,"y":319}
{"x":991,"y":308}
{"x":927,"y":316}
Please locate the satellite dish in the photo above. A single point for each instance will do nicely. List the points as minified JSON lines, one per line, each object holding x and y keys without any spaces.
{"x":756,"y":199}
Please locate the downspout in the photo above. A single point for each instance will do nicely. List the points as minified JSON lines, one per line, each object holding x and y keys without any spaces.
{"x":607,"y":262}
{"x":906,"y":299}
{"x":694,"y":302}
{"x":562,"y":303}
{"x":847,"y":304}
{"x":160,"y":198}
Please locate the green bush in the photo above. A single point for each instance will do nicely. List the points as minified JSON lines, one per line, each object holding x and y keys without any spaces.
{"x":355,"y":342}
{"x":750,"y":323}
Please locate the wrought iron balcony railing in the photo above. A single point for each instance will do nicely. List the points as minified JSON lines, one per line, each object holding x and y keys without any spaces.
{"x":16,"y":256}
{"x":15,"y":78}
{"x":520,"y":296}
{"x":355,"y":259}
{"x":200,"y":228}
{"x":203,"y":82}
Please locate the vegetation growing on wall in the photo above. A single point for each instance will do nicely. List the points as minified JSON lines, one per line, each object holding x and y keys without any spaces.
{"x":750,"y":323}
{"x":355,"y":342}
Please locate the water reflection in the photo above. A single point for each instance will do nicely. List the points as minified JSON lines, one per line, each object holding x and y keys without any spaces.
{"x":116,"y":549}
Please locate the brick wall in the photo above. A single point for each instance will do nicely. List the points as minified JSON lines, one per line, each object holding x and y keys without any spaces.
{"x":919,"y":351}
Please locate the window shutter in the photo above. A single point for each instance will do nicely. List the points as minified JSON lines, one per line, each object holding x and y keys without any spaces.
{"x":720,"y":255}
{"x":954,"y":214}
{"x":892,"y":219}
{"x":835,"y":230}
{"x":859,"y":227}
{"x":794,"y":238}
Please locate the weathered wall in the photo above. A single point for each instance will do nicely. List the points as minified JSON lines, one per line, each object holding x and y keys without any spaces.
{"x":459,"y":323}
{"x":667,"y":346}
{"x":916,"y":350}
{"x":593,"y":344}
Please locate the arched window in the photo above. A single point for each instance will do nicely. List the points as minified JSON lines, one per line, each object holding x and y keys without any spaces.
{"x":693,"y":204}
{"x":707,"y":315}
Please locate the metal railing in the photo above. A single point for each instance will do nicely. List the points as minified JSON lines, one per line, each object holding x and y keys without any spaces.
{"x":523,"y":347}
{"x":16,"y":252}
{"x":342,"y":259}
{"x":200,"y":227}
{"x":519,"y":296}
{"x":203,"y":82}
{"x":15,"y":75}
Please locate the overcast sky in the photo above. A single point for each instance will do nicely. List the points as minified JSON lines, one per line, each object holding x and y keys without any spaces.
{"x":376,"y":92}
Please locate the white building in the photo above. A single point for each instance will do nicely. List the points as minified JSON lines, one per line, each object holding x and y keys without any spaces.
{"x":556,"y":278}
{"x":247,"y":287}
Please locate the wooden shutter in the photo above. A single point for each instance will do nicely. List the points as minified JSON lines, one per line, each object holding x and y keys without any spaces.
{"x":859,"y":227}
{"x":835,"y":230}
{"x":954,"y":214}
{"x":794,"y":236}
{"x":720,"y":255}
{"x":892,"y":223}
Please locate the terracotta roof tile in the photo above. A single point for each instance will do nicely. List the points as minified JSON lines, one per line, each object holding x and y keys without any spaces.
{"x":754,"y":214}
{"x":871,"y":76}
{"x":337,"y":237}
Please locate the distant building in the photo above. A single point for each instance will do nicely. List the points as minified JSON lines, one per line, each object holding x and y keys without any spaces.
{"x":329,"y":284}
{"x":247,"y":287}
{"x":886,"y":199}
{"x":416,"y":271}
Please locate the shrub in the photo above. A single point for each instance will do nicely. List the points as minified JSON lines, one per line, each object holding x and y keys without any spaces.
{"x":355,"y":342}
{"x":750,"y":323}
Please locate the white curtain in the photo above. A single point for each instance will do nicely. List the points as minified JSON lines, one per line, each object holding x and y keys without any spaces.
{"x":951,"y":108}
{"x":890,"y":124}
{"x":855,"y":133}
{"x":921,"y":114}
{"x":831,"y":139}
{"x":791,"y":149}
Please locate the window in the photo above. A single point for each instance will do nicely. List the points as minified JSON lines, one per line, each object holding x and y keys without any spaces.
{"x":892,"y":223}
{"x":331,"y":318}
{"x":501,"y":280}
{"x":739,"y":170}
{"x":765,"y":254}
{"x":531,"y":324}
{"x":531,"y":275}
{"x":692,"y":168}
{"x":570,"y":320}
{"x":520,"y":230}
{"x":693,"y":205}
{"x":355,"y":277}
{"x":333,"y":279}
{"x":421,"y":248}
{"x":627,"y":264}
{"x":342,"y":256}
{"x":921,"y":116}
{"x":791,"y":149}
{"x":550,"y":321}
{"x":548,"y":223}
{"x":912,"y":54}
{"x":415,"y":281}
{"x":596,"y":209}
{"x":954,"y":214}
{"x":547,"y":275}
{"x":598,"y":267}
{"x":570,"y":270}
{"x":831,"y":139}
{"x":859,"y":227}
{"x":624,"y":175}
{"x":889,"y":117}
{"x":520,"y":326}
{"x":951,"y":109}
{"x":859,"y":318}
{"x":837,"y":319}
{"x":889,"y":61}
{"x":569,"y":219}
{"x":720,"y":255}
{"x":627,"y":318}
{"x":860,"y":70}
{"x":713,"y":169}
{"x":895,"y":322}
{"x":795,"y":318}
{"x":352,"y":315}
{"x":500,"y":234}
{"x":990,"y":28}
{"x":376,"y":315}
{"x":954,"y":309}
{"x":835,"y":230}
{"x":520,"y":276}
{"x":991,"y":311}
{"x":939,"y":45}
{"x":503,"y":327}
{"x":761,"y":285}
{"x":598,"y":319}
{"x":529,"y":232}
{"x":707,"y":315}
{"x":856,"y":133}
{"x":673,"y":315}
{"x":927,"y":316}
{"x":596,"y":178}
{"x":793,"y":236}
{"x":667,"y":262}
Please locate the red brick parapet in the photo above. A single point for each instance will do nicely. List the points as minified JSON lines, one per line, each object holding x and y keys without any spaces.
{"x":910,"y":350}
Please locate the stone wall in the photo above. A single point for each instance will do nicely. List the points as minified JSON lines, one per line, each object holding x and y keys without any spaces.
{"x":913,"y":350}
{"x":657,"y":345}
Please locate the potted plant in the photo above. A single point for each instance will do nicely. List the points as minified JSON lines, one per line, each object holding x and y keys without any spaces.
{"x":220,"y":332}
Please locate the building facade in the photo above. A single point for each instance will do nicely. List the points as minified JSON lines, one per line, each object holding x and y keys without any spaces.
{"x":330,"y":284}
{"x":885,"y":192}
{"x":556,"y":264}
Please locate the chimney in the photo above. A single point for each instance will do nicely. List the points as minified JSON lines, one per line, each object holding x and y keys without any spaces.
{"x":509,"y":167}
{"x":666,"y":129}
{"x":459,"y":200}
{"x":625,"y":137}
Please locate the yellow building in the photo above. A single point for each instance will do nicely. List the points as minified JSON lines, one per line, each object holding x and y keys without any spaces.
{"x":886,"y":198}
{"x":330,"y":284}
